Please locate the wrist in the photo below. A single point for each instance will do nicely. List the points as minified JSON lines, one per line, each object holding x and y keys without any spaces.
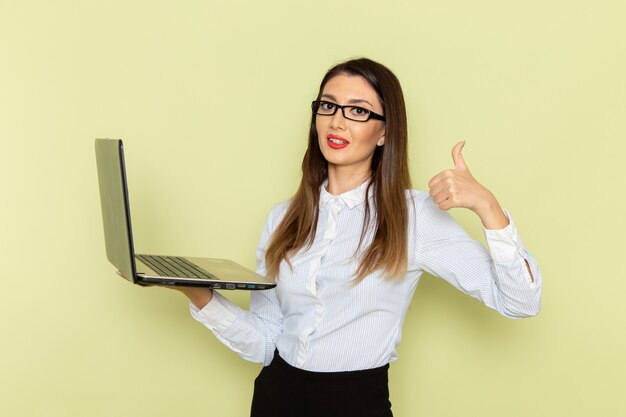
{"x":491,"y":214}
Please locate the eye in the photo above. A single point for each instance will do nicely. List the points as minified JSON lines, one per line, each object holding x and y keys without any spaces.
{"x":359,"y":111}
{"x":327,"y":106}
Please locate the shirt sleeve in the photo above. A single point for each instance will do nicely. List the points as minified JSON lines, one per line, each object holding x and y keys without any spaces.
{"x":252,"y":333}
{"x":499,"y":277}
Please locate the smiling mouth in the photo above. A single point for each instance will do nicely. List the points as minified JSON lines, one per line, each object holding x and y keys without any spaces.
{"x":336,"y":141}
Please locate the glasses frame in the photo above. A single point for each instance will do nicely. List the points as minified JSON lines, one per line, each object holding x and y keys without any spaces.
{"x":371,"y":114}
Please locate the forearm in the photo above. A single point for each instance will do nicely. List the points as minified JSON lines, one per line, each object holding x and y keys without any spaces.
{"x":518,"y":298}
{"x":494,"y":218}
{"x":250,"y":333}
{"x":505,"y":278}
{"x":491,"y":214}
{"x":518,"y":273}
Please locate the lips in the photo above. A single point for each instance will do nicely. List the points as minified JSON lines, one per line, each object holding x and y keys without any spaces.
{"x":336,"y":141}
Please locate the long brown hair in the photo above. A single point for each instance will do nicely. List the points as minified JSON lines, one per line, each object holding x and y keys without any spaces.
{"x":389,"y":181}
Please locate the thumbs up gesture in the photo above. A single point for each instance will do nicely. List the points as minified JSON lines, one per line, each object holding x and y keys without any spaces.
{"x":457,"y":187}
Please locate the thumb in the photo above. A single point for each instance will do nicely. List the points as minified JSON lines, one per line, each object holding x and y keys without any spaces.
{"x":457,"y":157}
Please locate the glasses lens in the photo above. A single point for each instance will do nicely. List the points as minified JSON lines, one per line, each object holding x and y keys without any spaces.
{"x":356,"y":113}
{"x":324,"y":107}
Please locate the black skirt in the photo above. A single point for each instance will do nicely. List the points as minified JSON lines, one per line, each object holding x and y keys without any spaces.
{"x":281,"y":390}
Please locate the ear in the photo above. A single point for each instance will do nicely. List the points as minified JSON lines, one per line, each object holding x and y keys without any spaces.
{"x":381,"y":141}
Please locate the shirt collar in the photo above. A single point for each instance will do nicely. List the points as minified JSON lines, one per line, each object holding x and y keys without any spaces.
{"x":350,"y":198}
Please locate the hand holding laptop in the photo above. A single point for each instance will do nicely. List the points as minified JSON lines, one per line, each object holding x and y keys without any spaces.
{"x":199,"y":296}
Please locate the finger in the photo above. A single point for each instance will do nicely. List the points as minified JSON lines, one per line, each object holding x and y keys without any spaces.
{"x":447,"y":204}
{"x":440,"y":177}
{"x":457,"y":156}
{"x":434,"y":180}
{"x":437,"y":188}
{"x":441,"y":196}
{"x":433,"y":186}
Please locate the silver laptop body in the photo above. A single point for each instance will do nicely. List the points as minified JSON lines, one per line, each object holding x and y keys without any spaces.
{"x":151,"y":269}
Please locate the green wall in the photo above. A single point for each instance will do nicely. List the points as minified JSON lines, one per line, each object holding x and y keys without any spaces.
{"x":212,"y":100}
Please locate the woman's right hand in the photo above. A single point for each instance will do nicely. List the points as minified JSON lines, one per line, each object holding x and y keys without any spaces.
{"x":199,"y":296}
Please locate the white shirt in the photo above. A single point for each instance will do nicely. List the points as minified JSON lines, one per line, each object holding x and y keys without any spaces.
{"x":319,"y":320}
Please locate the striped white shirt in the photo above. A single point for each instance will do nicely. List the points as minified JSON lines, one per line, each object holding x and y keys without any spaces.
{"x":319,"y":320}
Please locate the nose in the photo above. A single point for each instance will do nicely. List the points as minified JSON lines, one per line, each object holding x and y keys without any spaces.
{"x":338,"y":120}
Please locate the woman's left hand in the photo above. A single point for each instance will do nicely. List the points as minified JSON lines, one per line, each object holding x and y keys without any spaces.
{"x":457,"y":187}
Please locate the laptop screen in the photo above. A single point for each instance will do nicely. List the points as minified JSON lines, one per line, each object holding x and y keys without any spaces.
{"x":115,"y":207}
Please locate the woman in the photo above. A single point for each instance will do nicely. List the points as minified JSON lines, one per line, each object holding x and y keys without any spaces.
{"x":348,"y":251}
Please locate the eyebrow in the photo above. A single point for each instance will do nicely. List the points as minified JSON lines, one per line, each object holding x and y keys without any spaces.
{"x":351,"y":101}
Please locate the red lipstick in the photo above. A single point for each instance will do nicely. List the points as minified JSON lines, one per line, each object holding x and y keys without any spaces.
{"x":336,"y":141}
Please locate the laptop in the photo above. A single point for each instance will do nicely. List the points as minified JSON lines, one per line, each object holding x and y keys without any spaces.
{"x":155,"y":269}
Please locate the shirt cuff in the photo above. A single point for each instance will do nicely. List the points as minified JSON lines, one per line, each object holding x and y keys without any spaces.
{"x":216,"y":315}
{"x":504,"y":244}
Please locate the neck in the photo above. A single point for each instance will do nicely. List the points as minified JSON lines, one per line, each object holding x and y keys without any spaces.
{"x":342,"y":179}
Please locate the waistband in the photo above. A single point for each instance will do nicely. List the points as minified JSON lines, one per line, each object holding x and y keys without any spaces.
{"x":373,"y":373}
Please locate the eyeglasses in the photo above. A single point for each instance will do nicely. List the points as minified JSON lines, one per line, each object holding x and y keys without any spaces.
{"x":356,"y":113}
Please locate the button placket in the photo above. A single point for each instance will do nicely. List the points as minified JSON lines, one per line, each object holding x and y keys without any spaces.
{"x":311,"y":281}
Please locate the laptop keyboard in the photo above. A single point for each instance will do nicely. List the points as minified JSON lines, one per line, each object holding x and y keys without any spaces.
{"x":174,"y":266}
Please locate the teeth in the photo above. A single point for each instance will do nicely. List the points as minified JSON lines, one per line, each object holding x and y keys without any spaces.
{"x":337,"y":141}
